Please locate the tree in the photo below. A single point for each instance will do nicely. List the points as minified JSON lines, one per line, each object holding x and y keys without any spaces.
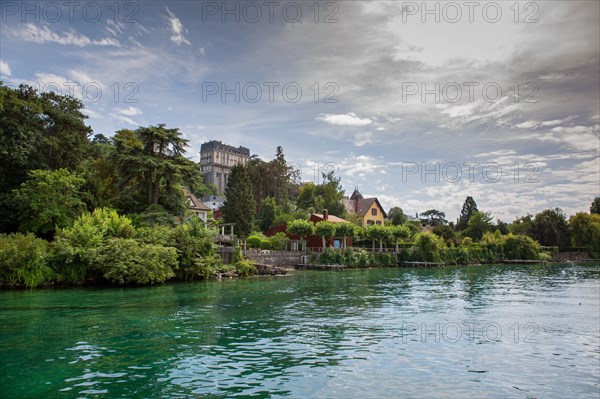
{"x":239,"y":206}
{"x":585,"y":232}
{"x":522,"y":226}
{"x":445,"y":232}
{"x":268,"y":213}
{"x":152,"y":169}
{"x":397,"y":216}
{"x":325,"y":230}
{"x":301,"y":228}
{"x":595,"y":208}
{"x":327,"y":195}
{"x":434,"y":217}
{"x":550,"y":228}
{"x":37,"y":131}
{"x":399,"y":233}
{"x":379,"y":233}
{"x":49,"y":199}
{"x":479,"y":224}
{"x":468,"y":209}
{"x":345,"y":230}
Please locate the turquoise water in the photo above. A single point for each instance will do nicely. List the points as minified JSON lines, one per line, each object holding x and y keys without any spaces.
{"x":484,"y":332}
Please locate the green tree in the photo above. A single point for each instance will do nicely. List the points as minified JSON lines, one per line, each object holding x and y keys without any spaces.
{"x":325,"y":230}
{"x":595,"y":208}
{"x":152,"y":169}
{"x":479,"y":224}
{"x":397,"y":216}
{"x":522,"y":226}
{"x":445,"y":232}
{"x":49,"y":199}
{"x":399,"y":233}
{"x":379,"y":233}
{"x":585,"y":232}
{"x":327,"y":195}
{"x":345,"y":230}
{"x":37,"y":131}
{"x":301,"y":228}
{"x":434,"y":217}
{"x":268,"y":213}
{"x":468,"y":209}
{"x":239,"y":206}
{"x":550,"y":228}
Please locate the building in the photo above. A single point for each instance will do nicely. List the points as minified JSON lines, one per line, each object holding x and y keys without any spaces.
{"x":369,"y":210}
{"x":196,"y":206}
{"x":217,"y":159}
{"x":214,"y":202}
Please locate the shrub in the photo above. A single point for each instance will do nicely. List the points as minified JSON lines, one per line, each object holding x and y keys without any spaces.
{"x":194,"y":242}
{"x":521,"y":247}
{"x":124,"y":261}
{"x":279,"y":241}
{"x":254,"y":240}
{"x":265,"y":244}
{"x":243,"y":267}
{"x":23,"y":260}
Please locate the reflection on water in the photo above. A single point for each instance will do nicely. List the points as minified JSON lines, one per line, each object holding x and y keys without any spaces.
{"x":493,"y":331}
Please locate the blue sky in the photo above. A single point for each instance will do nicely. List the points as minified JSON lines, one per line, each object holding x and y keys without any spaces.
{"x":420,"y":104}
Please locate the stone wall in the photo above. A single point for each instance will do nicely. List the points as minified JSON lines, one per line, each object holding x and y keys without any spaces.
{"x":274,"y":258}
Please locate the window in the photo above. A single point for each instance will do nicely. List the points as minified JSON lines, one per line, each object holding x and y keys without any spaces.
{"x":369,"y":222}
{"x":378,"y":222}
{"x":374,"y":211}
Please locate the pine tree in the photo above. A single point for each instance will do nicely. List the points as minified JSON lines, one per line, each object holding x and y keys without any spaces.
{"x":469,"y":208}
{"x":239,"y":206}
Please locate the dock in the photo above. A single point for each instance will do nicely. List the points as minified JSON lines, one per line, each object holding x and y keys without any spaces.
{"x":421,"y":264}
{"x":335,"y":268}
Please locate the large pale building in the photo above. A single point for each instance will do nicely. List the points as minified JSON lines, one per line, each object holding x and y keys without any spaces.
{"x":217,"y":159}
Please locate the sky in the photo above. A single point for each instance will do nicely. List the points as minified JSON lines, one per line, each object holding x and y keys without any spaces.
{"x":418,"y":103}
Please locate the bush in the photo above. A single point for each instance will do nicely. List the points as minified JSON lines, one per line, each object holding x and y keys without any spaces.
{"x":23,"y":260}
{"x":243,"y":268}
{"x":254,"y":240}
{"x":75,"y":248}
{"x":194,"y":242}
{"x":521,"y":247}
{"x":279,"y":242}
{"x":124,"y":261}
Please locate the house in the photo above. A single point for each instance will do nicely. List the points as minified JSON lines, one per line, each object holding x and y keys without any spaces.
{"x":313,"y":241}
{"x":369,"y":210}
{"x":196,"y":206}
{"x":214,"y":202}
{"x":217,"y":159}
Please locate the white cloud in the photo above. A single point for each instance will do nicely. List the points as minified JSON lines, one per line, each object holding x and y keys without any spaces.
{"x":43,"y":34}
{"x":5,"y":69}
{"x":129,"y":111}
{"x":177,"y":29}
{"x":349,"y":119}
{"x":363,"y":138}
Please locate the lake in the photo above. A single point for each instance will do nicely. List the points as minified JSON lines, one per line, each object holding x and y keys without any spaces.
{"x":480,"y":331}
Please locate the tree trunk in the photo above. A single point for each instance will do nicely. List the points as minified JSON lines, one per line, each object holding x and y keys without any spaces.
{"x":323,"y":238}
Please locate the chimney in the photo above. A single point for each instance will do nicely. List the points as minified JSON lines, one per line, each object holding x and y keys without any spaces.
{"x":325,"y":214}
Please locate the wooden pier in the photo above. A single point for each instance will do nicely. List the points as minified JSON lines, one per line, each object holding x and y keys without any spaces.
{"x":421,"y":264}
{"x":335,"y":268}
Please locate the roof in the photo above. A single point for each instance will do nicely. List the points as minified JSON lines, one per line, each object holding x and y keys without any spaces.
{"x":193,"y":202}
{"x":330,"y":218}
{"x":362,"y":205}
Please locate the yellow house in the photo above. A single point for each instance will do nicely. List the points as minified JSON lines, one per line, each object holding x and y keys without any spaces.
{"x":369,"y":210}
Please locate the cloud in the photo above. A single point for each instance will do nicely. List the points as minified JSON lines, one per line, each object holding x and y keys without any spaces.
{"x":43,"y":34}
{"x":362,"y":139}
{"x":349,"y":119}
{"x":129,"y":111}
{"x":5,"y":69}
{"x":177,"y":29}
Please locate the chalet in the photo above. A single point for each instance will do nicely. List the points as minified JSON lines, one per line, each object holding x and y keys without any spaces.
{"x":369,"y":210}
{"x":196,"y":206}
